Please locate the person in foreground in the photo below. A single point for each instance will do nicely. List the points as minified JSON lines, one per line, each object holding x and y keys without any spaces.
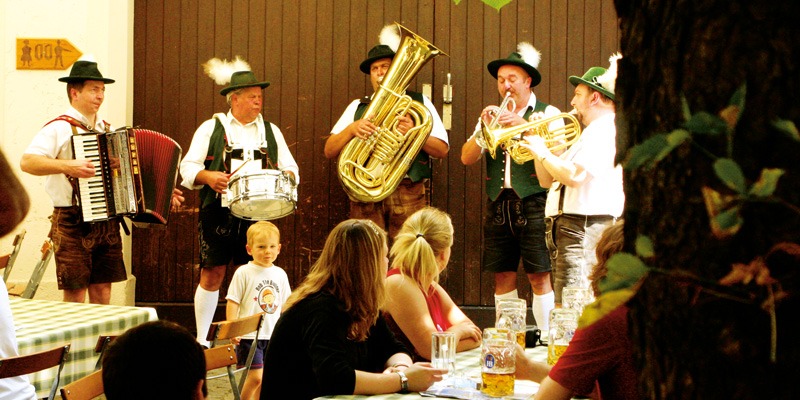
{"x":416,"y":305}
{"x":599,"y":358}
{"x":330,"y":335}
{"x":155,"y":360}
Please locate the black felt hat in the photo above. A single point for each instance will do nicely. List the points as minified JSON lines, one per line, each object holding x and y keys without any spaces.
{"x":376,"y":53}
{"x":515,"y":59}
{"x":243,"y":79}
{"x":84,"y":71}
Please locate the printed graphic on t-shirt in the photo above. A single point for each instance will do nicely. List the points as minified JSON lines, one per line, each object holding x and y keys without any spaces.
{"x":268,"y":295}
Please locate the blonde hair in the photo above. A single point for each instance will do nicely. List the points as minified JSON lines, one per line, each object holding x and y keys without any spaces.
{"x":610,"y":243}
{"x":425,"y":235}
{"x":350,"y":268}
{"x":262,"y":228}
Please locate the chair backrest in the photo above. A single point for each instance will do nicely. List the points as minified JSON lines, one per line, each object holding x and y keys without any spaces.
{"x":36,"y":276}
{"x":235,"y":327}
{"x":218,"y":357}
{"x":7,"y":261}
{"x":86,"y":388}
{"x":28,"y":364}
{"x":100,"y":348}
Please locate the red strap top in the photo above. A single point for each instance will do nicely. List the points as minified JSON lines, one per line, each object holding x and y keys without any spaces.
{"x":434,"y":305}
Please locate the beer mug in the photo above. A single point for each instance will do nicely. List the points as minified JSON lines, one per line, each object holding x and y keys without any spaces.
{"x":563,"y":323}
{"x":510,"y":314}
{"x":576,"y":298}
{"x":498,"y":362}
{"x":443,"y":351}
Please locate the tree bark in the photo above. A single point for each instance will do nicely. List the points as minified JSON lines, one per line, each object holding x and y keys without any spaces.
{"x":691,"y":339}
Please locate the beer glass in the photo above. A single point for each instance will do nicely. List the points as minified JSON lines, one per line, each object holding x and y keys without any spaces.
{"x":576,"y":298}
{"x":563,"y":323}
{"x":443,"y":351}
{"x":510,"y":314}
{"x":498,"y":351}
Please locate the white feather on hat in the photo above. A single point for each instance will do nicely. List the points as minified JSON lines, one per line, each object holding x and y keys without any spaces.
{"x":609,"y":80}
{"x":390,"y":36}
{"x":529,"y":54}
{"x":222,"y":70}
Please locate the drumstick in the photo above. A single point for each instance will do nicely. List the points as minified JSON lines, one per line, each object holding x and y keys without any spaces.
{"x":240,"y":167}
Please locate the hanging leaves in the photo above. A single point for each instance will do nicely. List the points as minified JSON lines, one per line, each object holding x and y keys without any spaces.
{"x":604,"y":304}
{"x":717,"y":204}
{"x":624,"y":270}
{"x":731,"y":174}
{"x":644,"y":246}
{"x":788,"y":128}
{"x":767,"y":183}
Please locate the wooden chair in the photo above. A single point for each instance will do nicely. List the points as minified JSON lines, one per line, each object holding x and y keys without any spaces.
{"x":29,"y":290}
{"x":28,"y":364}
{"x":7,"y":261}
{"x":86,"y":388}
{"x":100,"y":348}
{"x":229,"y":329}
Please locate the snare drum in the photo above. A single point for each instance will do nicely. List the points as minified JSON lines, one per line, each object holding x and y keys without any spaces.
{"x":262,"y":195}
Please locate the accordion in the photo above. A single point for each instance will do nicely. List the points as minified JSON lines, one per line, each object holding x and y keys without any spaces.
{"x":135,"y":172}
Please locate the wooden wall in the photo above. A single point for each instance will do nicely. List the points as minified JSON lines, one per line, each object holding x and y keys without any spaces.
{"x":310,"y":51}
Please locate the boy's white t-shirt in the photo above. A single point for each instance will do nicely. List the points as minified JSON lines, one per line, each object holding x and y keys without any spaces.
{"x":258,"y":289}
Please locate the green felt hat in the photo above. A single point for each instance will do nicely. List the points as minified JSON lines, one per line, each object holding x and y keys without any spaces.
{"x":243,"y":79}
{"x":515,"y":59}
{"x":590,"y":79}
{"x":84,"y":71}
{"x":376,"y":53}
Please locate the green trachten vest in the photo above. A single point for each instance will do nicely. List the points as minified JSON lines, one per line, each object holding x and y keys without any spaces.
{"x":523,"y":177}
{"x":421,"y":167}
{"x":215,"y":160}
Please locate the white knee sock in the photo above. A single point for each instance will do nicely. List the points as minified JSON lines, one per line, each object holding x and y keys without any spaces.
{"x":541,"y":309}
{"x":205,"y":304}
{"x":510,"y":295}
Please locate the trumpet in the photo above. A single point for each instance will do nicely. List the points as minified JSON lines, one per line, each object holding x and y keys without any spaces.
{"x":557,"y":139}
{"x":479,"y":139}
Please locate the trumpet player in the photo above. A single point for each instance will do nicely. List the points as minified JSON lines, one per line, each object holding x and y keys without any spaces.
{"x":410,"y":195}
{"x":585,"y":195}
{"x":514,"y":224}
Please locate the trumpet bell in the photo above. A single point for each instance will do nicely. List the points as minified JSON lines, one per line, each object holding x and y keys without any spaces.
{"x":557,"y":139}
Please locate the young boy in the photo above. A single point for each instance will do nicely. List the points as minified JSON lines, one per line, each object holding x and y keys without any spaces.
{"x":258,"y":286}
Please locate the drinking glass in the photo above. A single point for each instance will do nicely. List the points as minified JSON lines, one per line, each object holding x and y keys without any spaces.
{"x":498,"y":363}
{"x":576,"y":298}
{"x":563,"y":323}
{"x":510,"y":314}
{"x":443,"y":351}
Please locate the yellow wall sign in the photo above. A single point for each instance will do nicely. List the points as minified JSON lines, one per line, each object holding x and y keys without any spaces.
{"x":46,"y":53}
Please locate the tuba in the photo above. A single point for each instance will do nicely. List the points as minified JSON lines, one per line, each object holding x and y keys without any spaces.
{"x":509,"y":138}
{"x":371,"y":169}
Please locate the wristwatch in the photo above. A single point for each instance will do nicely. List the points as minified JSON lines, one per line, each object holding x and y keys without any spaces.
{"x":403,"y":381}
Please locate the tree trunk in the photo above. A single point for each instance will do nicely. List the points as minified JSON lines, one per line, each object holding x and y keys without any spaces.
{"x":691,"y":338}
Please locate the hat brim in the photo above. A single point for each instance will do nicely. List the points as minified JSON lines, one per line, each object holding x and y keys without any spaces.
{"x":73,"y":79}
{"x":225,"y":91}
{"x":366,"y":64}
{"x":577,"y":80}
{"x":495,"y":65}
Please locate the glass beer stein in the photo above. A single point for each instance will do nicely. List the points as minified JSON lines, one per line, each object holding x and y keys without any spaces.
{"x":498,"y":351}
{"x":510,"y":314}
{"x":563,"y":323}
{"x":576,"y":298}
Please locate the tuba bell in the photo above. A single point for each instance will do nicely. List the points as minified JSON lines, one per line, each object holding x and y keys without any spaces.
{"x":509,"y":138}
{"x":371,"y":169}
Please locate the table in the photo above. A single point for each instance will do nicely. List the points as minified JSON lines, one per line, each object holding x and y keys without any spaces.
{"x":42,"y":325}
{"x":468,"y":364}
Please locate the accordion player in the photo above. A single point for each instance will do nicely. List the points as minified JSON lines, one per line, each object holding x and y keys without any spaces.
{"x":135,"y":172}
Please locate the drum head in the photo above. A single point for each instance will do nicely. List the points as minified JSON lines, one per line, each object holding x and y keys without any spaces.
{"x":262,"y":195}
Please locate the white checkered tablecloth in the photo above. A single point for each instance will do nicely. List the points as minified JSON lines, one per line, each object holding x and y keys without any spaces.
{"x":468,"y":365}
{"x":42,"y":325}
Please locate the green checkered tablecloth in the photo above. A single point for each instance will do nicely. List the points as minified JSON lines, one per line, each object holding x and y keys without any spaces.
{"x":42,"y":325}
{"x":468,"y":365}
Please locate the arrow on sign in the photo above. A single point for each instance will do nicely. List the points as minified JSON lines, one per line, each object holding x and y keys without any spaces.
{"x":46,"y":53}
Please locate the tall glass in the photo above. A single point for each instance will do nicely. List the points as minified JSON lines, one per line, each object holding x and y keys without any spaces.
{"x":576,"y":298}
{"x":443,"y":351}
{"x":510,"y":314}
{"x":563,"y":323}
{"x":498,"y":362}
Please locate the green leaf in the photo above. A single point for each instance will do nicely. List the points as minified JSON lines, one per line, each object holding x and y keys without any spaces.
{"x":644,"y":153}
{"x":767,"y":182}
{"x":787,"y":127}
{"x":704,"y":123}
{"x":729,"y":220}
{"x":687,"y":114}
{"x":644,"y":246}
{"x":605,"y":304}
{"x":624,"y":271}
{"x":456,"y":1}
{"x":674,"y":139}
{"x":737,"y":99}
{"x":731,"y":174}
{"x":496,"y":4}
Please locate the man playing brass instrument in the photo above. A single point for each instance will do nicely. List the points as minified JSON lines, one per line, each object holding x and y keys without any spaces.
{"x":514,"y":224}
{"x":391,"y":212}
{"x":586,"y":195}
